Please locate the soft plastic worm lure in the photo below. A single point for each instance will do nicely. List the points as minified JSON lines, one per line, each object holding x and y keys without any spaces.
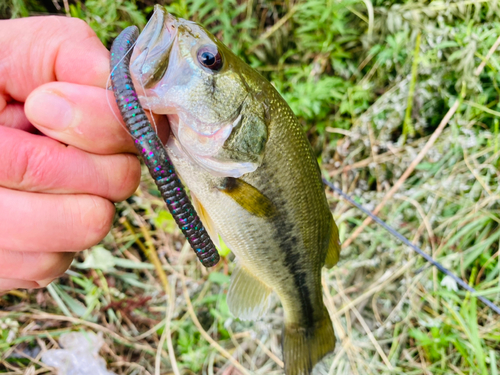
{"x":154,"y":155}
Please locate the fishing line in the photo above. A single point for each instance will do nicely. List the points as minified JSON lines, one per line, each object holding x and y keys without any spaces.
{"x":404,"y":240}
{"x":142,"y":86}
{"x":110,"y":87}
{"x":155,"y":127}
{"x":145,"y":93}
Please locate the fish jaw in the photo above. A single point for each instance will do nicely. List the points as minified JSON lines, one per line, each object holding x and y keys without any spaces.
{"x":152,"y":50}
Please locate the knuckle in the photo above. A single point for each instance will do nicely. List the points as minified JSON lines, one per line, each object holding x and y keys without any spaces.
{"x":69,"y":25}
{"x":119,"y":176}
{"x":79,"y":30}
{"x":78,"y":25}
{"x":34,"y":166}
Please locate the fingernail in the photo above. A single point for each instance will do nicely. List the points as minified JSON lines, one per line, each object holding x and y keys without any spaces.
{"x":50,"y":110}
{"x":44,"y":283}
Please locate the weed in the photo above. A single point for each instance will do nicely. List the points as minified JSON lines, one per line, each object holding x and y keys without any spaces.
{"x":370,"y":81}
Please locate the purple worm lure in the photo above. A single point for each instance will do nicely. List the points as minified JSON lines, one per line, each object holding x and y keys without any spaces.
{"x":153,"y":153}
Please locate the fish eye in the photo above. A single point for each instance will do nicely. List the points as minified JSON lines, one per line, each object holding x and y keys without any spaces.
{"x":209,"y":57}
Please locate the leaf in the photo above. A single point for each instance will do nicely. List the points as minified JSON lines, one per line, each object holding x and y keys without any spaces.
{"x":76,"y":306}
{"x":219,"y":278}
{"x":99,"y":258}
{"x":223,"y":249}
{"x":165,"y":221}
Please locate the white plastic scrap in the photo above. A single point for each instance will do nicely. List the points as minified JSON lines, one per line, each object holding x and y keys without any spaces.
{"x":8,"y":329}
{"x":449,"y":283}
{"x":79,"y":356}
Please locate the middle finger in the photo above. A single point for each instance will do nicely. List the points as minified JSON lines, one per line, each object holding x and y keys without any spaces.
{"x":36,"y":163}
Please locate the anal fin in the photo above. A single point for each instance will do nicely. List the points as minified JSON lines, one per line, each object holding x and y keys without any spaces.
{"x":333,"y":254}
{"x":247,"y":298}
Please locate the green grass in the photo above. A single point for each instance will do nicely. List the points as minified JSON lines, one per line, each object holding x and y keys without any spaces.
{"x":369,"y":100}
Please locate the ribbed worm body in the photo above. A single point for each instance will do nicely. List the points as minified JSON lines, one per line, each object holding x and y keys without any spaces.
{"x":153,"y":153}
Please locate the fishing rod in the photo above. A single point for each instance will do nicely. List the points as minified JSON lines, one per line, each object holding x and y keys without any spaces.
{"x":418,"y":250}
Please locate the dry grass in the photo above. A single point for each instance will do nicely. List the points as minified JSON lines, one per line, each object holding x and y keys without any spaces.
{"x":434,"y":180}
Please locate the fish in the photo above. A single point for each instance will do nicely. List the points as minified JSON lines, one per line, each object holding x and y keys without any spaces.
{"x":252,"y":175}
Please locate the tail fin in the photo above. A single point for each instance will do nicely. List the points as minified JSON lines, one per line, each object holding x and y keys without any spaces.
{"x":303,"y":347}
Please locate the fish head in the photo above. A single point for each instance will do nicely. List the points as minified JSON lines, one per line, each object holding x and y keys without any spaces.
{"x":182,"y":71}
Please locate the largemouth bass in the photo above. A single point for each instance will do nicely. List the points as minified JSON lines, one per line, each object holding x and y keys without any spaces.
{"x":252,"y":175}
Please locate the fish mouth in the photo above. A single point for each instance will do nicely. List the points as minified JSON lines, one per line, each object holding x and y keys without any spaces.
{"x":220,"y":129}
{"x":152,"y":50}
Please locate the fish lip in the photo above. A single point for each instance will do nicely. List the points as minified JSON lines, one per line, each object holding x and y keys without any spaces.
{"x":154,"y":44}
{"x":159,"y":22}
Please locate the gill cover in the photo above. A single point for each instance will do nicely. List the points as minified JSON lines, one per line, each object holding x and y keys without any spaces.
{"x":186,"y":74}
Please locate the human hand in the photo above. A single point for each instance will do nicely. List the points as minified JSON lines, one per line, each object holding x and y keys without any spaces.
{"x":56,"y":189}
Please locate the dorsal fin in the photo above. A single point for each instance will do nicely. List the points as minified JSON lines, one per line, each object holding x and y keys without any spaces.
{"x":333,"y":254}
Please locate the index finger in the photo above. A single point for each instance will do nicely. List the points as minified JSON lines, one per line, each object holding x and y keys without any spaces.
{"x":38,"y":50}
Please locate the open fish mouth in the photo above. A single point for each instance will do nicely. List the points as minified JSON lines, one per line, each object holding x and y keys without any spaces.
{"x":152,"y":51}
{"x":179,"y":82}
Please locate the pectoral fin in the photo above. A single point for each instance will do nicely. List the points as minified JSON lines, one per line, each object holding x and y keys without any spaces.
{"x":333,"y":254}
{"x":247,"y":298}
{"x":206,"y":220}
{"x":248,"y":197}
